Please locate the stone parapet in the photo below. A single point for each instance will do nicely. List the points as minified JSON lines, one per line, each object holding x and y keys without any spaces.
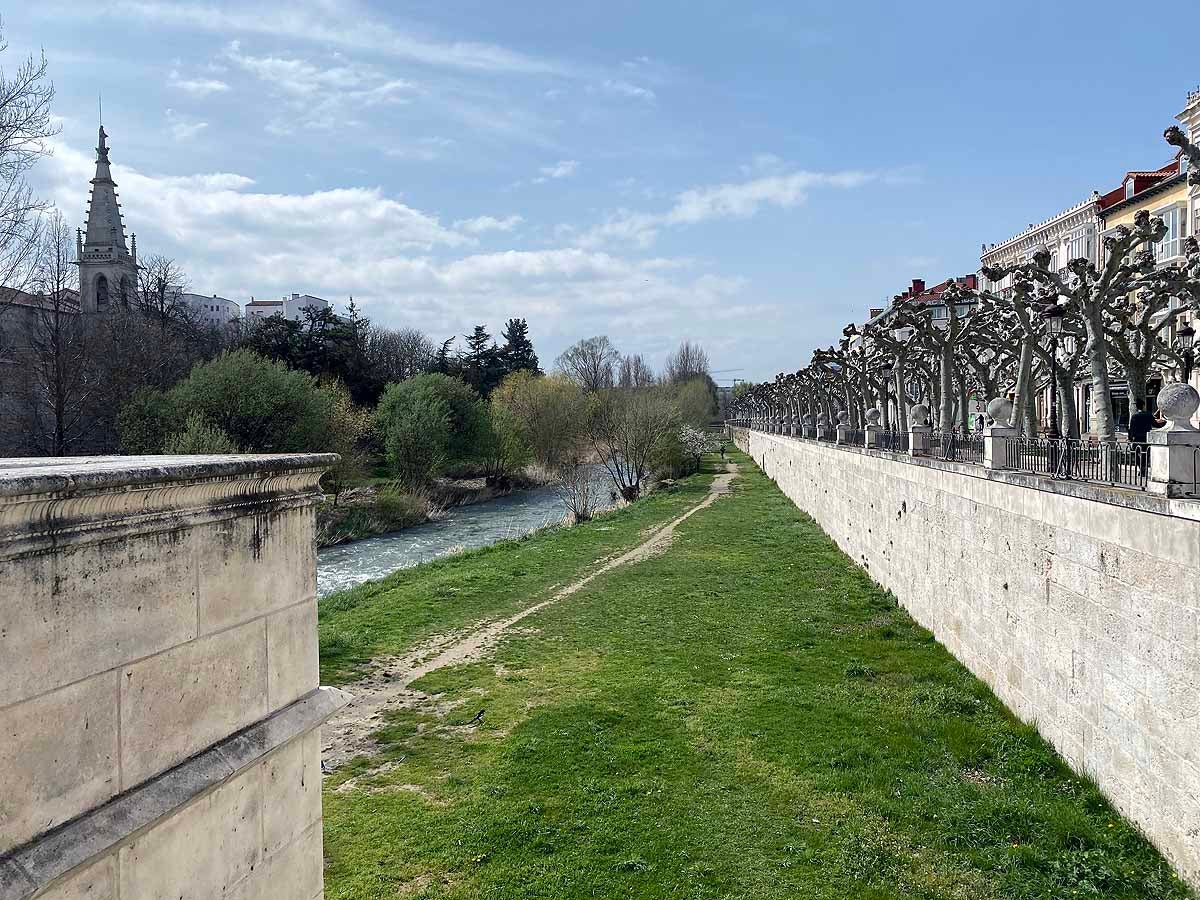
{"x":151,"y":609}
{"x":1076,"y":603}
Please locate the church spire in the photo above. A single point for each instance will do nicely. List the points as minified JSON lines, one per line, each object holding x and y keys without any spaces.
{"x":105,"y":230}
{"x":106,"y":269}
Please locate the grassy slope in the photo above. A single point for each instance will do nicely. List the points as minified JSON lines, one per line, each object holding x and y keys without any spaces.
{"x":390,"y":615}
{"x":746,"y":716}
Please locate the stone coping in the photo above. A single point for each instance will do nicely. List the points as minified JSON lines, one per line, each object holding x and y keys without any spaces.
{"x":51,"y":503}
{"x":1129,"y":498}
{"x":29,"y":869}
{"x":22,"y":476}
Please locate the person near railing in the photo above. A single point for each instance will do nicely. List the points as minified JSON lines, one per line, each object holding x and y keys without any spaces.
{"x":1140,"y":424}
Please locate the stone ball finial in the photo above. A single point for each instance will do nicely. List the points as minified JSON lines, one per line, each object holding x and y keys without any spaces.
{"x":920,"y":414}
{"x":808,"y":419}
{"x":1178,"y":403}
{"x":843,"y":417}
{"x":822,"y":419}
{"x":1000,"y":410}
{"x":873,"y":415}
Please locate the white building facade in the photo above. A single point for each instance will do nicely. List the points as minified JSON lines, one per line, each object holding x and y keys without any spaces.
{"x":1070,"y":234}
{"x":214,"y":311}
{"x":290,"y":307}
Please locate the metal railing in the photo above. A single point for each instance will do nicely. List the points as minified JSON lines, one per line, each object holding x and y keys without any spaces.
{"x":855,"y":437}
{"x":1112,"y":462}
{"x":896,"y":441}
{"x":950,"y":445}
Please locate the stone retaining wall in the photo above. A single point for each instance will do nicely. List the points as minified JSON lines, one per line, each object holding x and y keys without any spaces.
{"x":1078,"y":605}
{"x":158,"y":725}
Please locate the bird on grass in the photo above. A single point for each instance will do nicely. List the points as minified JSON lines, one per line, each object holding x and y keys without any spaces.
{"x":478,"y":720}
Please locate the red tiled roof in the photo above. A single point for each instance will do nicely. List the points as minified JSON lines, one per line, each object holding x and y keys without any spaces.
{"x":1142,"y":181}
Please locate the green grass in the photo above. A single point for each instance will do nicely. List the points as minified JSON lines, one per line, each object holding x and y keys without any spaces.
{"x":744,"y":716}
{"x":390,"y":615}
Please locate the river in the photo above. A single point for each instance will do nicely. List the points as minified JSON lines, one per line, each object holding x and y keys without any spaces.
{"x":462,"y":527}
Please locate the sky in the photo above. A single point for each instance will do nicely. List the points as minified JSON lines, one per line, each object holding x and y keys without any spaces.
{"x":747,"y":175}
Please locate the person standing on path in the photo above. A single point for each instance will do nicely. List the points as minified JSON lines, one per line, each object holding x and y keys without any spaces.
{"x":1140,"y":424}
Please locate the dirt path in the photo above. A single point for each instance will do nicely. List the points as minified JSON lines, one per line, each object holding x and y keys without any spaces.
{"x":387,"y":684}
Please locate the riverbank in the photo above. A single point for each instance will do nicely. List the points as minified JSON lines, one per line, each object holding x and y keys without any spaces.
{"x":383,"y":508}
{"x":739,"y":713}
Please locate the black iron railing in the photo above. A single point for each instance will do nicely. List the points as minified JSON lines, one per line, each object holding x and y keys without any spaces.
{"x":950,"y":445}
{"x":896,"y":441}
{"x":1111,"y":462}
{"x":855,"y":437}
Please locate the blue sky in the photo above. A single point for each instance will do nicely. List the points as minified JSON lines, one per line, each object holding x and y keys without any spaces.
{"x":748,"y":175}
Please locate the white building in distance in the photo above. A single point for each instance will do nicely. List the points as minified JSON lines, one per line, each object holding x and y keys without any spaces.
{"x":214,"y":311}
{"x":290,"y":307}
{"x":1070,"y":234}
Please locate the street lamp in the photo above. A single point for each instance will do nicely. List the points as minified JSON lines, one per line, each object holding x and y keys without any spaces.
{"x":1053,"y":316}
{"x":1185,"y":338}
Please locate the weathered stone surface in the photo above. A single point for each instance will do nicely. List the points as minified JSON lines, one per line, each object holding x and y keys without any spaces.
{"x":109,"y":603}
{"x":291,"y":791}
{"x":294,"y":872}
{"x":254,"y":565}
{"x":179,"y":702}
{"x":97,"y":881}
{"x":292,"y":654}
{"x":1077,"y":604}
{"x":203,"y":851}
{"x":58,"y":757}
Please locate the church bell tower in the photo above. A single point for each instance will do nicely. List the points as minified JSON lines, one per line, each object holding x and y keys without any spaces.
{"x":107,"y":270}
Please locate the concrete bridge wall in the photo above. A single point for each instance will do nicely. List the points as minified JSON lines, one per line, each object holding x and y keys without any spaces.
{"x":1079,"y":605}
{"x":160,"y":708}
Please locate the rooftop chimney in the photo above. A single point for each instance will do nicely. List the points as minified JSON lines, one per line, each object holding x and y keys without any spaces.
{"x":918,"y":286}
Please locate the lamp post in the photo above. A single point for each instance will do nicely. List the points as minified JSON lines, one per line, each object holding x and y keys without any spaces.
{"x":1184,"y":339}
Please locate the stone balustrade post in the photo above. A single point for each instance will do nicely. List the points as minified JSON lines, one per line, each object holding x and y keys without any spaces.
{"x":872,"y":429}
{"x":997,"y":434}
{"x":1175,"y":448}
{"x":919,"y":431}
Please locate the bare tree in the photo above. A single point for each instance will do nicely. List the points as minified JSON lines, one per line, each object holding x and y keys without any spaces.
{"x":575,"y":486}
{"x":161,"y":286}
{"x":625,"y":429}
{"x":688,"y":362}
{"x":63,"y":388}
{"x":25,"y":126}
{"x":635,"y":372}
{"x":399,"y":354}
{"x":590,"y":363}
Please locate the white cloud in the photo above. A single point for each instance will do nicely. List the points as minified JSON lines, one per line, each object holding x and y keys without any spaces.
{"x":737,"y":200}
{"x":562,"y":169}
{"x":625,"y":89}
{"x":196,"y":87}
{"x":339,"y":23}
{"x":183,"y":127}
{"x":481,"y":224}
{"x":401,"y":264}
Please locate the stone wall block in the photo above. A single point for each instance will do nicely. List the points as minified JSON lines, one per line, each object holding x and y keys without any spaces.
{"x":58,"y":757}
{"x":97,"y":881}
{"x":291,"y":792}
{"x":293,"y":872}
{"x":292,"y":661}
{"x":181,"y":701}
{"x":254,"y":565}
{"x":201,"y":853}
{"x":123,"y":600}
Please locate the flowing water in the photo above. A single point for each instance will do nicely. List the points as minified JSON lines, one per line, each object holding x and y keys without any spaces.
{"x":463,"y":527}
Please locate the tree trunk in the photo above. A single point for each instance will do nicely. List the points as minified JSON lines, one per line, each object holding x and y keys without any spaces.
{"x":1067,"y":414}
{"x":1024,"y":368}
{"x":946,"y":388}
{"x":901,"y":397}
{"x":1102,"y":413}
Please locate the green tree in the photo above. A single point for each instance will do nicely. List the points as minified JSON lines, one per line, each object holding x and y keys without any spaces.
{"x":452,"y":413}
{"x":262,"y":405}
{"x":482,"y":367}
{"x":697,"y":402}
{"x":517,"y":353}
{"x":501,"y":445}
{"x":199,"y":436}
{"x":549,"y":411}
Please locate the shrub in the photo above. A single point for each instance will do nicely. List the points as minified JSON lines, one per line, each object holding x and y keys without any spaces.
{"x":199,"y":436}
{"x":262,"y":406}
{"x":548,"y":410}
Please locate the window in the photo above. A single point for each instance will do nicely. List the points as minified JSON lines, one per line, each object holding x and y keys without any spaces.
{"x":1079,"y":245}
{"x":1129,"y":189}
{"x":1171,"y":245}
{"x":101,"y":292}
{"x":939,"y":312}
